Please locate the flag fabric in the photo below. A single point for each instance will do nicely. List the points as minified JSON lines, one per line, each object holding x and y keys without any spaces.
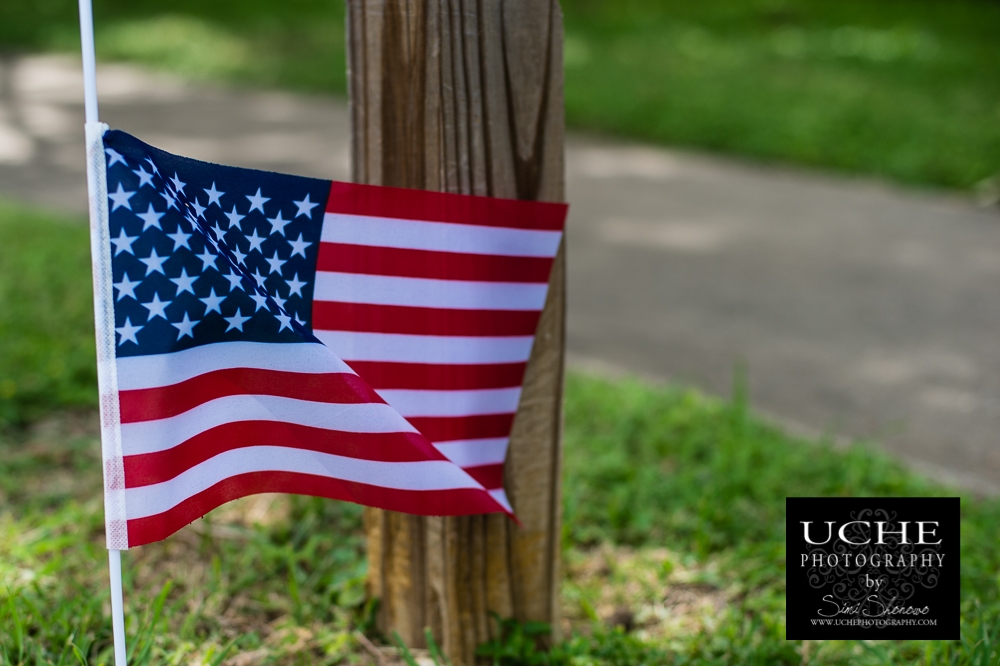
{"x":434,"y":300}
{"x":277,"y":333}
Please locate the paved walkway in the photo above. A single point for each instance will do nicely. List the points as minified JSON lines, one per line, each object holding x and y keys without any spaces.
{"x":858,"y":308}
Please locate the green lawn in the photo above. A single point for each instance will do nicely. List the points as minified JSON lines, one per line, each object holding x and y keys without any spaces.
{"x":667,"y":492}
{"x":905,"y":89}
{"x":908,"y":89}
{"x":47,"y":357}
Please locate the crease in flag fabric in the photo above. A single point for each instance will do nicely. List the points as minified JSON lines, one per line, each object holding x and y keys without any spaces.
{"x":260,"y":332}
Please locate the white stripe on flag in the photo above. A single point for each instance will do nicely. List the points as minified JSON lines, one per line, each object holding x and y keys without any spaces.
{"x":422,"y":475}
{"x":400,"y":348}
{"x":474,"y":452}
{"x":428,"y":293}
{"x":140,"y":372}
{"x":416,"y":402}
{"x":501,"y":497}
{"x":162,"y":434}
{"x":439,"y":236}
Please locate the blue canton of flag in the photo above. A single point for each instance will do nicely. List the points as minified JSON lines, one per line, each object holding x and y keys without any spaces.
{"x":203,"y":253}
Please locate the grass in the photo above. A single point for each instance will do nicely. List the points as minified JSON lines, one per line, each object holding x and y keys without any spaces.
{"x":296,"y":44}
{"x":674,"y":519}
{"x":284,"y":587}
{"x":696,"y":489}
{"x":47,"y":357}
{"x":903,"y":89}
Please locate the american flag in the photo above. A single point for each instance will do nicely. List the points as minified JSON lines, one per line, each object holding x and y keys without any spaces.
{"x":277,"y":333}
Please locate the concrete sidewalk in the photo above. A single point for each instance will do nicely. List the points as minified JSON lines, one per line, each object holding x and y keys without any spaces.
{"x":858,"y":308}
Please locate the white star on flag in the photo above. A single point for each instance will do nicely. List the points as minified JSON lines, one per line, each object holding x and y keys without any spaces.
{"x":154,"y":262}
{"x":236,"y":321}
{"x":255,"y":241}
{"x":285,"y":320}
{"x":214,"y":195}
{"x":180,"y":239}
{"x":127,"y":332}
{"x":184,"y":282}
{"x":305,"y":207}
{"x":207,"y":259}
{"x":185,"y":327}
{"x":275,"y":263}
{"x":156,"y":307}
{"x":145,"y":178}
{"x":115,"y":157}
{"x":234,"y":217}
{"x":240,"y":256}
{"x":235,"y":279}
{"x":150,"y":218}
{"x":212,"y":302}
{"x":299,"y":247}
{"x":278,"y":225}
{"x":260,"y":300}
{"x":258,"y":277}
{"x":126,"y":287}
{"x":199,"y":209}
{"x":178,"y":185}
{"x":170,"y":200}
{"x":295,"y":286}
{"x":120,"y":198}
{"x":257,"y":201}
{"x":123,"y":243}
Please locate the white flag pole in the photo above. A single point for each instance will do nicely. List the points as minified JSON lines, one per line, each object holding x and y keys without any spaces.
{"x":97,"y":188}
{"x":117,"y":610}
{"x":89,"y":61}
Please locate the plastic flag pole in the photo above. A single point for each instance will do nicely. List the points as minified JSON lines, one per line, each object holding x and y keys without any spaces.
{"x":89,"y":61}
{"x":117,"y":611}
{"x":104,"y":329}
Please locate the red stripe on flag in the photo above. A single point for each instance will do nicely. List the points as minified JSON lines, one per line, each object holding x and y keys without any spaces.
{"x":369,"y":318}
{"x":491,"y":476}
{"x":371,"y":260}
{"x":439,"y":377}
{"x":451,"y":502}
{"x":166,"y":401}
{"x":450,"y":428}
{"x":147,"y":469}
{"x":406,"y":204}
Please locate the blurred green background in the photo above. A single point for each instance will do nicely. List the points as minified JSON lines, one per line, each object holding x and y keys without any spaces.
{"x":904,"y":89}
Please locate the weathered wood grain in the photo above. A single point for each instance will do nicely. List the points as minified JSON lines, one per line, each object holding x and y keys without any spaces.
{"x":466,"y":96}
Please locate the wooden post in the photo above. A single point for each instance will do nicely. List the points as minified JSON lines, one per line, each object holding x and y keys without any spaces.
{"x":466,"y":96}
